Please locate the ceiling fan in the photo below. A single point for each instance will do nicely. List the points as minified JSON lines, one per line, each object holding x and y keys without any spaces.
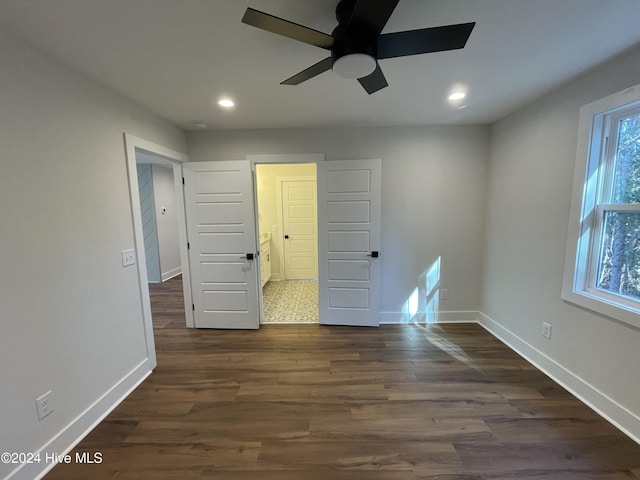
{"x":357,"y":43}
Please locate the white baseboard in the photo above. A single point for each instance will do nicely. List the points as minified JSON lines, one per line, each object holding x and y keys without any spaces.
{"x":80,"y":427}
{"x":171,"y":273}
{"x":457,"y":317}
{"x":623,"y":419}
{"x":391,"y":318}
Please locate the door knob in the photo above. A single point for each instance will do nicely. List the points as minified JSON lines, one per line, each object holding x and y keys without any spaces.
{"x":286,"y":237}
{"x":373,"y":254}
{"x":248,"y":256}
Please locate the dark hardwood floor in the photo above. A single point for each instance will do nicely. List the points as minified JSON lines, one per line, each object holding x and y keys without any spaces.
{"x":307,"y":402}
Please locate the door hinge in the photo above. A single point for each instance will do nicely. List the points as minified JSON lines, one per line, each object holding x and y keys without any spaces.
{"x":193,"y":307}
{"x":188,"y":246}
{"x":183,"y":180}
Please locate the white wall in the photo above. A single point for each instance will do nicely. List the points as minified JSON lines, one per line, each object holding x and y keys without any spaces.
{"x":528,"y":198}
{"x":433,"y":187}
{"x":167,"y":222}
{"x":66,"y":303}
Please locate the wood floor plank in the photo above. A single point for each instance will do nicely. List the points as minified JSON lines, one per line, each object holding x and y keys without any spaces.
{"x":361,"y":455}
{"x":572,"y":454}
{"x":353,"y":394}
{"x":518,"y":430}
{"x":569,"y":407}
{"x":498,"y":407}
{"x":309,"y":402}
{"x":532,"y":475}
{"x":308,"y":474}
{"x":252,"y":410}
{"x":404,"y":429}
{"x":337,"y":378}
{"x":145,"y":407}
{"x":460,"y":391}
{"x":172,"y":431}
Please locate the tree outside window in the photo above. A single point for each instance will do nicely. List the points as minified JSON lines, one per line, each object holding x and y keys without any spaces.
{"x":618,"y":260}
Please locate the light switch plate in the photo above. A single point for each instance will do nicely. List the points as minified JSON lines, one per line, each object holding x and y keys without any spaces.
{"x":128,"y":257}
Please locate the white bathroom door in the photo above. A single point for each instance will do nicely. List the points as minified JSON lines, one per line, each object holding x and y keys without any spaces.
{"x":349,"y":204}
{"x":300,"y":222}
{"x":221,"y":236}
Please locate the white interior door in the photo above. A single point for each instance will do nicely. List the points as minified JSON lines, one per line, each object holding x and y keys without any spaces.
{"x":349,"y":203}
{"x":299,"y":215}
{"x":221,"y":233}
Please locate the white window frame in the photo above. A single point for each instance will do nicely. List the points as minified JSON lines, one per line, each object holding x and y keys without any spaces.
{"x":591,"y":189}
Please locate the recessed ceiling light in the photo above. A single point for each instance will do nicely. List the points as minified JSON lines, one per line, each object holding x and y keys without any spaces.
{"x":226,"y":103}
{"x":457,"y":96}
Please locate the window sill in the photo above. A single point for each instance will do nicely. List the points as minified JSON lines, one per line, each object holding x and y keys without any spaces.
{"x":602,"y":305}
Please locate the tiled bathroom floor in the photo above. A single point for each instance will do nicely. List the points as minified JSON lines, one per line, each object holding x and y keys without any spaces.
{"x":290,"y":301}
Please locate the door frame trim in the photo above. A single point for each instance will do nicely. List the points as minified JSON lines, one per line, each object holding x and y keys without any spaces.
{"x":175,"y":159}
{"x":285,"y":158}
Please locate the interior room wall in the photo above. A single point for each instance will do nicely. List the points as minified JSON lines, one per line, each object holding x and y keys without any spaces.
{"x":266,"y":183}
{"x":528,"y":200}
{"x":67,"y":303}
{"x":167,"y":221}
{"x":433,"y":188}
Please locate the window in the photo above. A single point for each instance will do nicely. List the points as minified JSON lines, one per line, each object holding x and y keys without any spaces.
{"x":616,"y":262}
{"x":602,"y":271}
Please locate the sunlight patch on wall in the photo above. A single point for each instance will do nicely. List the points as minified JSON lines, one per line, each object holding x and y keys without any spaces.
{"x":422,"y":304}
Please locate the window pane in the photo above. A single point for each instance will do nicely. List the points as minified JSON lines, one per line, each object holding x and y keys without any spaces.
{"x":619,"y":263}
{"x":626,"y":186}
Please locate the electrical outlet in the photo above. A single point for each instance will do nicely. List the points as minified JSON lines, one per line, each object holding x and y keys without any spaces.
{"x":444,"y":293}
{"x":128,"y":257}
{"x":44,"y":405}
{"x":546,"y":330}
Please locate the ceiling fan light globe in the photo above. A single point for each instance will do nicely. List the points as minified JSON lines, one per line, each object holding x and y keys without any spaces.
{"x":354,"y":65}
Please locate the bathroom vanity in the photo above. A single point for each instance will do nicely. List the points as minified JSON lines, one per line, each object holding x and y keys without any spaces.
{"x":265,"y":257}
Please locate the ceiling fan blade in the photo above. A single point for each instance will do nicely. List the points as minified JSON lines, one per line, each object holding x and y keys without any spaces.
{"x":287,"y":29}
{"x":374,"y":82}
{"x":371,"y":15}
{"x":320,"y":67}
{"x":426,"y":40}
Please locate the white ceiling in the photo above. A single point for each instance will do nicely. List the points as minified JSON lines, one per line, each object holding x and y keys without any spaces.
{"x":176,"y":57}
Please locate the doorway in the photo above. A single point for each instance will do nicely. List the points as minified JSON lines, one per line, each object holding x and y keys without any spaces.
{"x":348,"y":236}
{"x":135,"y":148}
{"x":158,"y":209}
{"x":286,"y":200}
